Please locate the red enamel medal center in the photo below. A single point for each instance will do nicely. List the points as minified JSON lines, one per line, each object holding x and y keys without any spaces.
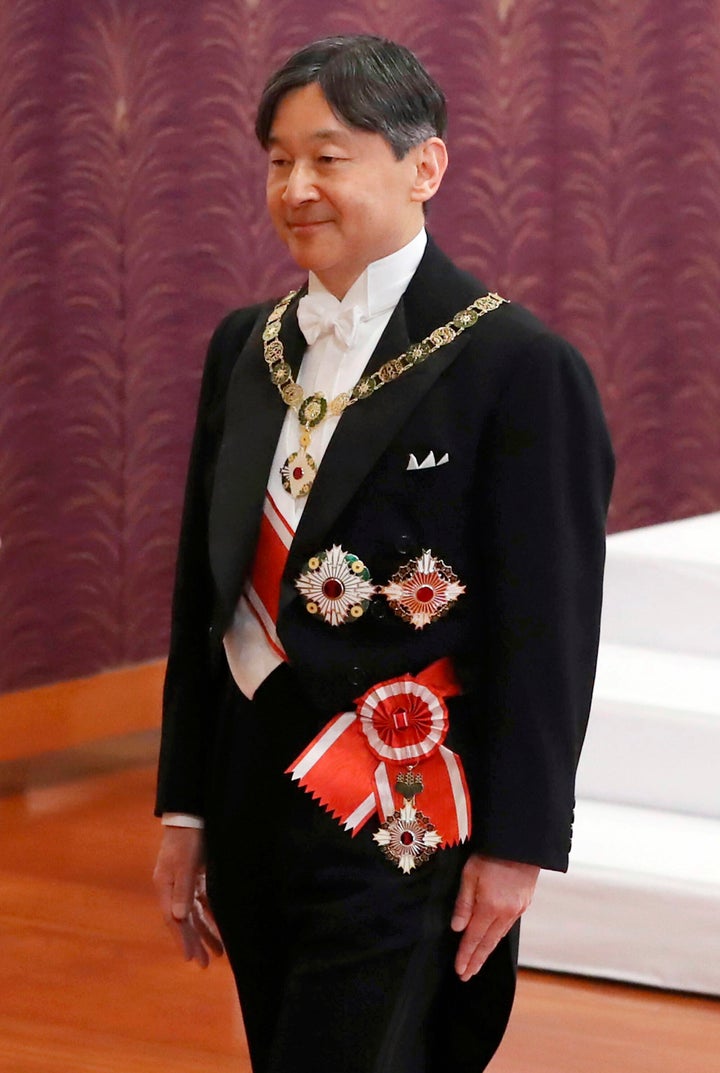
{"x":333,"y":589}
{"x":423,"y":590}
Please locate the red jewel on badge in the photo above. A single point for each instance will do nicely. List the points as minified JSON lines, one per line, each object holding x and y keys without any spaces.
{"x":336,"y":585}
{"x":423,"y":590}
{"x":407,"y":838}
{"x":333,"y":588}
{"x":298,"y":473}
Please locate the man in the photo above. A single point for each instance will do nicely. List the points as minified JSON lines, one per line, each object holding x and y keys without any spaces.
{"x":387,"y":605}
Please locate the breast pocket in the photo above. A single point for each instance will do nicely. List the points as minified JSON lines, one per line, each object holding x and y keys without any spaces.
{"x":430,"y":494}
{"x":427,"y":460}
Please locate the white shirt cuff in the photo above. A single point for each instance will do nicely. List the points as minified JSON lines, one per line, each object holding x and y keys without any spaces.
{"x":182,"y":819}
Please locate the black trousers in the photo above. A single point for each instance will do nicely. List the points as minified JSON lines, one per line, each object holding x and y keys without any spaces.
{"x":342,"y":963}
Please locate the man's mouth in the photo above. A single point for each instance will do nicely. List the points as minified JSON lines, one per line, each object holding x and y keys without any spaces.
{"x":302,"y":225}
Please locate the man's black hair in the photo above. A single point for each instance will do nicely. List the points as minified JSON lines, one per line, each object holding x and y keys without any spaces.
{"x":369,"y":83}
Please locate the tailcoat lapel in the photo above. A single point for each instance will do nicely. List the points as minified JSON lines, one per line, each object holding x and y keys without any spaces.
{"x":254,"y":414}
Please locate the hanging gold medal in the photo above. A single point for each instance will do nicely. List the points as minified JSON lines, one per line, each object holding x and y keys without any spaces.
{"x":298,"y":471}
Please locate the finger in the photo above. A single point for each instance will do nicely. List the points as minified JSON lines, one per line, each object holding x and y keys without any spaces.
{"x":164,"y":890}
{"x":181,"y":937}
{"x":190,"y":942}
{"x":163,"y":881}
{"x":464,"y":903}
{"x":482,"y":951}
{"x":209,"y":934}
{"x":205,"y":919}
{"x":199,"y":950}
{"x":473,"y":936}
{"x":183,"y":894}
{"x":206,"y":928}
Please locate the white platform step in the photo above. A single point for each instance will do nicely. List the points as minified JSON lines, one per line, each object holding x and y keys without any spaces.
{"x":662,"y":587}
{"x":654,"y":733}
{"x":641,"y":901}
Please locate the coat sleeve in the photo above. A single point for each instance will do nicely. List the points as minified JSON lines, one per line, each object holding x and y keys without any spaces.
{"x":193,"y":676}
{"x":544,"y":479}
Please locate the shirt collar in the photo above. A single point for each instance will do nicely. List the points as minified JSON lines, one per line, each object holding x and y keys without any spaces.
{"x":383,"y":283}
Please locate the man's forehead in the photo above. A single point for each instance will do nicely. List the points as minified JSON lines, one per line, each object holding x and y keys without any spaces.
{"x":304,"y":113}
{"x":322,"y":134}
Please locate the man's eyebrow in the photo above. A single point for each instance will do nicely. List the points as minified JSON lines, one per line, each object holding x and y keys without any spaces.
{"x":331,"y":134}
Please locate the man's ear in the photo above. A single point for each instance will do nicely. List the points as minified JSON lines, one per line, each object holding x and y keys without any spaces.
{"x":431,"y":160}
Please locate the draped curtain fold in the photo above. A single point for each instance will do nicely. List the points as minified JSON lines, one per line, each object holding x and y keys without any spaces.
{"x":584,"y":182}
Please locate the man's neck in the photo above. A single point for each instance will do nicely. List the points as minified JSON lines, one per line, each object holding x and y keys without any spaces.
{"x":383,"y":276}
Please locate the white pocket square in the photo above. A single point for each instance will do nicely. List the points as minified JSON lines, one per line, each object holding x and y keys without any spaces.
{"x":428,"y":462}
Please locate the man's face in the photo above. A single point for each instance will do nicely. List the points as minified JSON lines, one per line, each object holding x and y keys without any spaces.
{"x":337,"y":195}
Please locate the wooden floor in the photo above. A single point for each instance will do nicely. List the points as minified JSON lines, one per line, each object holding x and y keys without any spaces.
{"x":90,"y":981}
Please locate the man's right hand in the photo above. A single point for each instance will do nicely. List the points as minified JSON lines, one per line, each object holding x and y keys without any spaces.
{"x":179,"y":879}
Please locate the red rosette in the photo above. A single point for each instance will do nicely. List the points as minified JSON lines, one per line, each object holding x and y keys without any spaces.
{"x":351,"y":766}
{"x":403,"y":720}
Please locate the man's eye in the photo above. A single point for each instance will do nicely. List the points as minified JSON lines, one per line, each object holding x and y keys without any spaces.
{"x":278,"y":162}
{"x":327,"y":159}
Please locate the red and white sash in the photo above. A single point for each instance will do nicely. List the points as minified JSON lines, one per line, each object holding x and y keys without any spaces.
{"x":263,"y":588}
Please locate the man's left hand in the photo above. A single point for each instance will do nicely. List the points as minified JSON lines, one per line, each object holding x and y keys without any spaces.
{"x":493,"y":895}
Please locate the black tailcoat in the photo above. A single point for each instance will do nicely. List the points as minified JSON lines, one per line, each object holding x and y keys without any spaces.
{"x":518,"y":512}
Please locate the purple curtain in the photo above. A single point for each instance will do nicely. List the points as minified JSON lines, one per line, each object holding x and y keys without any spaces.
{"x":584,"y":182}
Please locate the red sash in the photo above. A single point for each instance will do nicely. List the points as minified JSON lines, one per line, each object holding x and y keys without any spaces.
{"x":263,"y":589}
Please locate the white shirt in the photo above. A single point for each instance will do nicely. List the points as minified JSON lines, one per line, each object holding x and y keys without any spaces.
{"x":329,"y":368}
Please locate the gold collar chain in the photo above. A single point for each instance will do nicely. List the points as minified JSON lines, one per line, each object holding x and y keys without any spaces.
{"x":298,"y":472}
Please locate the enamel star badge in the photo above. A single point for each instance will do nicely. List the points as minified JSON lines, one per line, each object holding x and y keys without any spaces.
{"x":408,"y":838}
{"x":423,"y":590}
{"x":336,"y":586}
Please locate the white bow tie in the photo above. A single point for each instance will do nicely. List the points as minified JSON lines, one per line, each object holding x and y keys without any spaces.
{"x":320,"y":314}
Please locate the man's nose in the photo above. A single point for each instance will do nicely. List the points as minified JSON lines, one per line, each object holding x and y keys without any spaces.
{"x":300,"y":185}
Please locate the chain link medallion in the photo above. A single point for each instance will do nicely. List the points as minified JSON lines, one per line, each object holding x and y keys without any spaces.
{"x":313,"y":409}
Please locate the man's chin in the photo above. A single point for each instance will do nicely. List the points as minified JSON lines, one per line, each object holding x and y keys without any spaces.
{"x":306,"y":255}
